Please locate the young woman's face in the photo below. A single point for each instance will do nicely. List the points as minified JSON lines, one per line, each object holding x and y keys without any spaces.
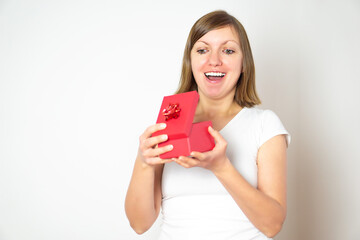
{"x":216,"y":62}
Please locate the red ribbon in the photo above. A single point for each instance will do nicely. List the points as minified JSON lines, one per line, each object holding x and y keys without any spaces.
{"x":172,"y":111}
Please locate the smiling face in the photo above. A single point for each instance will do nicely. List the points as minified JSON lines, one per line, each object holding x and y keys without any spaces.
{"x":216,"y":62}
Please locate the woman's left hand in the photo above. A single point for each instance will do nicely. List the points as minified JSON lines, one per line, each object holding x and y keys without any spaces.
{"x":214,"y":160}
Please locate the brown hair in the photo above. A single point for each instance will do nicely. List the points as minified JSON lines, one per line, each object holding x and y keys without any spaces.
{"x":245,"y":94}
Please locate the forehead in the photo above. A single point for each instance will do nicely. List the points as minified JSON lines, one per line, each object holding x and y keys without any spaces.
{"x":220,"y":36}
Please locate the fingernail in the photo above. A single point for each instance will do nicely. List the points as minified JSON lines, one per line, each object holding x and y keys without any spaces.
{"x":170,"y":147}
{"x":164,"y":137}
{"x":163,"y":125}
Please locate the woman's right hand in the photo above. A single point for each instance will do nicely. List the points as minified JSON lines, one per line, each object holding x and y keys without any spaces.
{"x":148,"y":150}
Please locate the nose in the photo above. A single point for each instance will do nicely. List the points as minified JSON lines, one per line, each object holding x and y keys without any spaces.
{"x":215,"y":59}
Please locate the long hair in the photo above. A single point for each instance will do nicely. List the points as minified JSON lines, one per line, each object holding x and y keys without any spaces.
{"x":245,"y":94}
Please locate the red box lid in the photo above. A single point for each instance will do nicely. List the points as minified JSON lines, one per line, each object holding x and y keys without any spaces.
{"x":178,"y":111}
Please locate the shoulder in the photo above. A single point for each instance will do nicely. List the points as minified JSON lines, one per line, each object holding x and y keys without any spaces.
{"x":269,"y":124}
{"x":265,"y":124}
{"x":259,"y":114}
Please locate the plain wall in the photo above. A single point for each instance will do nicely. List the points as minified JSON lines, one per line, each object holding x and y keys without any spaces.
{"x":80,"y":81}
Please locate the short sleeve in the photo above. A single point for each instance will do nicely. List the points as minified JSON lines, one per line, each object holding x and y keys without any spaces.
{"x":272,"y":126}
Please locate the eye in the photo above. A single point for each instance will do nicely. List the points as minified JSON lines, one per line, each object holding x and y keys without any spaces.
{"x":201,"y":51}
{"x":229,"y":51}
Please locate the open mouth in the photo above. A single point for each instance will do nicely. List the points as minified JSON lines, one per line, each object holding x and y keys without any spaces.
{"x":214,"y":76}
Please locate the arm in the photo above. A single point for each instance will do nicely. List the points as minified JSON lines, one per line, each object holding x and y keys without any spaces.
{"x":265,"y":206}
{"x":143,"y":198}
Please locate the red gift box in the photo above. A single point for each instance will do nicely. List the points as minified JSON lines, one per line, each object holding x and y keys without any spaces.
{"x":178,"y":111}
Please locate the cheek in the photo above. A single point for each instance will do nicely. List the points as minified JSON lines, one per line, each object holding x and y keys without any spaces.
{"x":197,"y":63}
{"x":235,"y":65}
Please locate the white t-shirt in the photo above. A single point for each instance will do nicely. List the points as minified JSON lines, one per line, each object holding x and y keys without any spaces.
{"x":196,"y":206}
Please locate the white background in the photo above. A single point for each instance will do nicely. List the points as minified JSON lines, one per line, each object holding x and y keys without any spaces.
{"x":80,"y":80}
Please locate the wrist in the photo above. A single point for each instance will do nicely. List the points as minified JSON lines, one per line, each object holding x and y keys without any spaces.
{"x":225,"y":167}
{"x":143,"y":164}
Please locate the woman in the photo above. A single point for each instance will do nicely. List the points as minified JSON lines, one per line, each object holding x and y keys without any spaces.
{"x":235,"y":191}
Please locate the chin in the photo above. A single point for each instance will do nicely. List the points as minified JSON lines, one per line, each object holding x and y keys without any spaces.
{"x":214,"y":94}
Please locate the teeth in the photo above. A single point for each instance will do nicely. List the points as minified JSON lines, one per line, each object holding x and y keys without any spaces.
{"x":214,"y":74}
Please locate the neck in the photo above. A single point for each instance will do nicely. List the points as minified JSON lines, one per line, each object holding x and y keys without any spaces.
{"x":212,"y":108}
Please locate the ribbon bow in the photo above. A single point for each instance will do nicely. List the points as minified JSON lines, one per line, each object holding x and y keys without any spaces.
{"x":172,"y":111}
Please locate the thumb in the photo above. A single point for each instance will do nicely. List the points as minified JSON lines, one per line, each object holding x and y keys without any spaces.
{"x":216,"y":135}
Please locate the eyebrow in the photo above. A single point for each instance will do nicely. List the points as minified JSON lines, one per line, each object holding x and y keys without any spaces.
{"x":222,"y":42}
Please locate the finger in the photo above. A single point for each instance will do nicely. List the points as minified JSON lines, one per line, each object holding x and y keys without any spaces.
{"x":153,"y":128}
{"x":154,"y":152}
{"x":198,"y":155}
{"x":187,"y":162}
{"x":182,"y":163}
{"x":185,"y":165}
{"x":157,"y":160}
{"x":151,"y":142}
{"x":216,"y":135}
